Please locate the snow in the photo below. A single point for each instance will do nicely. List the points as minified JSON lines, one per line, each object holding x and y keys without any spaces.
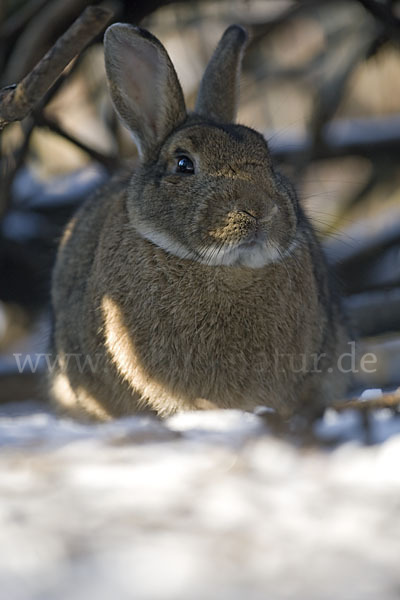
{"x":205,"y":505}
{"x":371,"y":394}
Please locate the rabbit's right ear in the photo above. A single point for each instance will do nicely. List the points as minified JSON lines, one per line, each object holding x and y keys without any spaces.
{"x":143,"y":84}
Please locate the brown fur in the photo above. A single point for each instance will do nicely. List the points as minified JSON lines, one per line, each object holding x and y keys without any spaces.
{"x":191,"y":290}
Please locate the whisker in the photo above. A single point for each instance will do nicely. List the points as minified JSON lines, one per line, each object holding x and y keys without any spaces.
{"x":282,"y":262}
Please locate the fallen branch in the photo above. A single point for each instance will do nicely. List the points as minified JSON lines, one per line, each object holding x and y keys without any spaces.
{"x":389,"y":400}
{"x":17,"y":101}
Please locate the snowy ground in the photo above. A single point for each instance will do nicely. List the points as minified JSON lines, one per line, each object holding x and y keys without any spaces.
{"x":206,"y":505}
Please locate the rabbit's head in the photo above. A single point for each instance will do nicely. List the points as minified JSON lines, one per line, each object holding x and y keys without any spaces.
{"x":206,"y":189}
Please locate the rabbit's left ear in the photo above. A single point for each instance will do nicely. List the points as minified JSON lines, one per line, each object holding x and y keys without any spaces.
{"x":219,"y":89}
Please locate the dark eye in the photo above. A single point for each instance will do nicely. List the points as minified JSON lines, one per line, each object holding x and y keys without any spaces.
{"x":184,"y":165}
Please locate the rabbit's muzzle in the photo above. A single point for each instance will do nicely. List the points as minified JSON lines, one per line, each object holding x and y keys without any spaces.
{"x":241,"y":239}
{"x":240,"y":227}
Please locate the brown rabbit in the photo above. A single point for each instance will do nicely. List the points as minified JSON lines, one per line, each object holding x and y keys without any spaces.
{"x":198,"y":281}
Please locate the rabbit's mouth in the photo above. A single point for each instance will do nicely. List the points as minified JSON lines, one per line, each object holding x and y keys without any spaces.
{"x":253,"y":240}
{"x":251,"y":252}
{"x":240,"y":239}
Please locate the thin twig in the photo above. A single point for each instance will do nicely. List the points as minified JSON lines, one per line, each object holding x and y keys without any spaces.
{"x":109,"y":162}
{"x":38,"y":35}
{"x":18,"y":100}
{"x":9,"y":165}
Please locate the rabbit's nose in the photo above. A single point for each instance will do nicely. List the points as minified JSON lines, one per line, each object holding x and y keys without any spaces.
{"x":249,"y":213}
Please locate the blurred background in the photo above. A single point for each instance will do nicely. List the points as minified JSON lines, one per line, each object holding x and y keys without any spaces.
{"x":321,"y":81}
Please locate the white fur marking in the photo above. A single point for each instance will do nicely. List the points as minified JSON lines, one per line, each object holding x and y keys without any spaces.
{"x":257,"y":257}
{"x":164,"y":241}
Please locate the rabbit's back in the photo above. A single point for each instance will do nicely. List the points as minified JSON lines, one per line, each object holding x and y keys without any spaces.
{"x":72,"y":313}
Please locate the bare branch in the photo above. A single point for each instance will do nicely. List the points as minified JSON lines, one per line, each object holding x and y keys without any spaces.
{"x":384,"y":14}
{"x":18,"y":100}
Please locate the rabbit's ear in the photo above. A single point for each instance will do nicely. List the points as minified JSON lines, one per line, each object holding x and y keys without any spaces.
{"x":219,"y":89}
{"x":143,"y":84}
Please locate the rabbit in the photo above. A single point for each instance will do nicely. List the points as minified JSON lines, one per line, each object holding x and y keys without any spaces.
{"x":197,"y":281}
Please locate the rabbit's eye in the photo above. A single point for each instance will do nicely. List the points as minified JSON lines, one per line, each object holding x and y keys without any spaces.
{"x":184,"y":165}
